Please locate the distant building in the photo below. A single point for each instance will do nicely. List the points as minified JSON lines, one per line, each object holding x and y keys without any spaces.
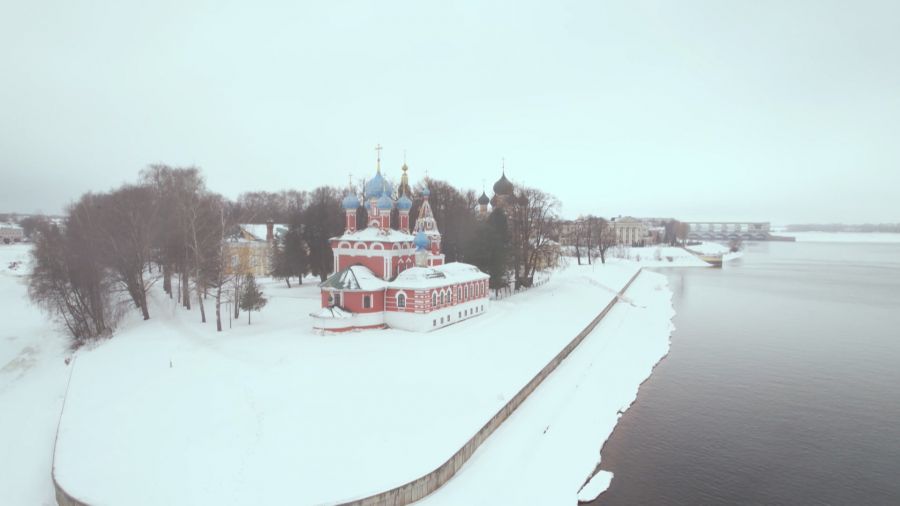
{"x":11,"y":233}
{"x":395,"y":278}
{"x":727,"y":230}
{"x":631,"y":231}
{"x":249,"y":250}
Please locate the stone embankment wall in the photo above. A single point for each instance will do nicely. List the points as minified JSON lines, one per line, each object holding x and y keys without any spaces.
{"x":420,"y":487}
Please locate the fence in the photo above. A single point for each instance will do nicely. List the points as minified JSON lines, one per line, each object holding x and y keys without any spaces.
{"x":508,"y":291}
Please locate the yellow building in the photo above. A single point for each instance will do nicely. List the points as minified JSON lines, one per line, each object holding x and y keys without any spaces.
{"x":249,"y":251}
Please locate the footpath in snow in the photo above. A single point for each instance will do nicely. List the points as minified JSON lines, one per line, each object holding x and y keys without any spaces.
{"x":170,"y":412}
{"x":546,"y":450}
{"x":33,"y":377}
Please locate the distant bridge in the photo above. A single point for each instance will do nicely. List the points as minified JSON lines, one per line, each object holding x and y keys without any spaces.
{"x":728,"y":230}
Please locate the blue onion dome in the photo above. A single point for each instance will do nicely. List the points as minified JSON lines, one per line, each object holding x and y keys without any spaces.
{"x":350,"y":201}
{"x":483,"y":199}
{"x":426,"y":192}
{"x":378,"y":186}
{"x":421,"y":241}
{"x":385,"y":202}
{"x":404,"y":203}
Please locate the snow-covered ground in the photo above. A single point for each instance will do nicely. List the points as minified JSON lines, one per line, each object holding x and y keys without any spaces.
{"x":170,"y":412}
{"x":668,"y":256}
{"x":33,"y":377}
{"x":874,"y":237}
{"x":546,"y":450}
{"x":709,"y":248}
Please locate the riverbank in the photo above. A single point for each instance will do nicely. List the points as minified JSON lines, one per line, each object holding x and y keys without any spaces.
{"x":271,"y":412}
{"x":546,"y":451}
{"x":33,"y":377}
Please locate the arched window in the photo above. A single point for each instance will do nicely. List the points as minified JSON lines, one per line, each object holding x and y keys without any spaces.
{"x":433,"y":299}
{"x":443,"y":298}
{"x":458,"y":293}
{"x":360,"y":245}
{"x":467,"y":292}
{"x":377,"y":245}
{"x":401,"y":300}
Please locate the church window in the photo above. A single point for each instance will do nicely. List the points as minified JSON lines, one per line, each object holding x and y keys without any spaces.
{"x":401,"y":300}
{"x":367,"y":301}
{"x":433,"y":299}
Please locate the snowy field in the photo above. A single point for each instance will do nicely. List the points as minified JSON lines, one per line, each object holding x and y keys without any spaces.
{"x":32,"y":382}
{"x":272,"y":412}
{"x":857,"y":237}
{"x":544,"y":452}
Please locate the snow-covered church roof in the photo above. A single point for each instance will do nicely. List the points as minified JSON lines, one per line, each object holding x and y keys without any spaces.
{"x":376,"y":234}
{"x":441,"y":275}
{"x":355,"y":277}
{"x":258,"y":232}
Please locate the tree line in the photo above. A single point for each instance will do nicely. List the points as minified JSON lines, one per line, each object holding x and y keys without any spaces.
{"x":168,"y":228}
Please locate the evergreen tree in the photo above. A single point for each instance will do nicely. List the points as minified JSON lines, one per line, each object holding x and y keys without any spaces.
{"x":322,"y":220}
{"x":491,"y":249}
{"x":252,"y":299}
{"x":279,"y":262}
{"x":289,"y":256}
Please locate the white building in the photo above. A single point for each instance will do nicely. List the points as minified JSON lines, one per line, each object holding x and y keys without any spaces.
{"x":10,"y":233}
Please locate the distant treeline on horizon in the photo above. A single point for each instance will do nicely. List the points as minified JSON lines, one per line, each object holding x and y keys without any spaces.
{"x":841,"y":227}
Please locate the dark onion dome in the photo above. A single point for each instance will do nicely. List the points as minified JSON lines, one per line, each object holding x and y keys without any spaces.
{"x":503,"y":186}
{"x":385,"y":202}
{"x":378,"y":186}
{"x":350,"y":201}
{"x":483,"y":199}
{"x":421,"y":241}
{"x":522,"y":200}
{"x":404,"y":203}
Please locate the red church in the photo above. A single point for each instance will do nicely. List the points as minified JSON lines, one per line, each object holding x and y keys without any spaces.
{"x":395,"y":278}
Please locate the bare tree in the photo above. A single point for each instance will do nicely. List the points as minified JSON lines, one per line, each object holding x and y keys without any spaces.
{"x":125,"y":221}
{"x":606,"y":237}
{"x":69,"y":282}
{"x":533,"y":220}
{"x":682,"y":231}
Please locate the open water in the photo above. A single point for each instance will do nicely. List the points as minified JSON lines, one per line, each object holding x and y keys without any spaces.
{"x":782,"y":385}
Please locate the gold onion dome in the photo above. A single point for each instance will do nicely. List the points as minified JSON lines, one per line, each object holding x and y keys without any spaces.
{"x":404,"y":188}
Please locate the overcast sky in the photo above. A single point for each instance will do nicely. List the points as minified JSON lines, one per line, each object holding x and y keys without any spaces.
{"x":786,"y":111}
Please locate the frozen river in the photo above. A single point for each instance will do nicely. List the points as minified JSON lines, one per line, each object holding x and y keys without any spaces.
{"x":782,"y":385}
